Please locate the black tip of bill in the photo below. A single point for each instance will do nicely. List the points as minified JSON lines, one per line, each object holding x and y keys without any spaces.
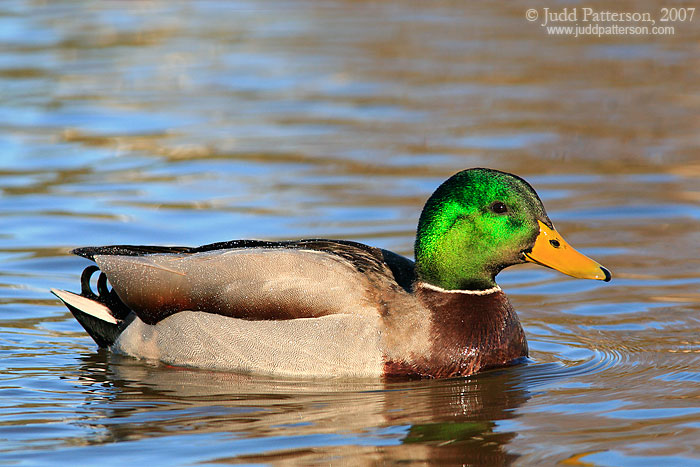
{"x":608,"y":276}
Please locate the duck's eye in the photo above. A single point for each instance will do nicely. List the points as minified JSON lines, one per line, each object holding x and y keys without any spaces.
{"x":499,"y":208}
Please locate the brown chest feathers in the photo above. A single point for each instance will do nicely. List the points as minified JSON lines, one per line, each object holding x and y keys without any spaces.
{"x":468,"y":333}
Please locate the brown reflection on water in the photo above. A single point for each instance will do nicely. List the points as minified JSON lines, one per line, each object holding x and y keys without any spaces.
{"x":443,"y":421}
{"x":444,"y":79}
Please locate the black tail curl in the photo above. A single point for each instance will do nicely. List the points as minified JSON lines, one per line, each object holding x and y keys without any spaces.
{"x":103,"y":332}
{"x":106,"y":297}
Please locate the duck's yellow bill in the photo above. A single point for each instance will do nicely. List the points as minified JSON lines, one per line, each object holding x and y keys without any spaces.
{"x":551,"y":250}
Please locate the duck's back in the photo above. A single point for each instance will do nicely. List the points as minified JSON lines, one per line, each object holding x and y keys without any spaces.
{"x":255,"y":281}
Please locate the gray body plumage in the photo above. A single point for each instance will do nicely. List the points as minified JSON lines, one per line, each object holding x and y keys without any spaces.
{"x":309,"y":308}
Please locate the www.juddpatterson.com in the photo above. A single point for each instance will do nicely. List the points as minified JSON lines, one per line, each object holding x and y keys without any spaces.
{"x":590,"y":22}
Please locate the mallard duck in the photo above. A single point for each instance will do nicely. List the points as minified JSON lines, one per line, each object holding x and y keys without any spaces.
{"x":329,"y":308}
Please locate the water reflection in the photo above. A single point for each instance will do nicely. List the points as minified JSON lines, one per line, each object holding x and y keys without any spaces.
{"x":438,"y":420}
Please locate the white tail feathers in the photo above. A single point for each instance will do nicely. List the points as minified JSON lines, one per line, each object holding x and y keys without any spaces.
{"x":85,"y":305}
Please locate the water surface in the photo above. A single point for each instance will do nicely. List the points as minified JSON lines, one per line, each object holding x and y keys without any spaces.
{"x":195,"y":122}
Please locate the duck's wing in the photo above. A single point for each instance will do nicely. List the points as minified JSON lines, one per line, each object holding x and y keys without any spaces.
{"x":253,"y":279}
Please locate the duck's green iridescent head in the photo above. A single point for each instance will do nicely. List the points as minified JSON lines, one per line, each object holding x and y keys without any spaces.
{"x":480,"y":221}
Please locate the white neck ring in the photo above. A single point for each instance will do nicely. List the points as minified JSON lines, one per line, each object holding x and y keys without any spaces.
{"x":494,"y":289}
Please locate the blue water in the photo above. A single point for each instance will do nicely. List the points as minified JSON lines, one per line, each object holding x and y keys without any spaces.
{"x":189,"y":123}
